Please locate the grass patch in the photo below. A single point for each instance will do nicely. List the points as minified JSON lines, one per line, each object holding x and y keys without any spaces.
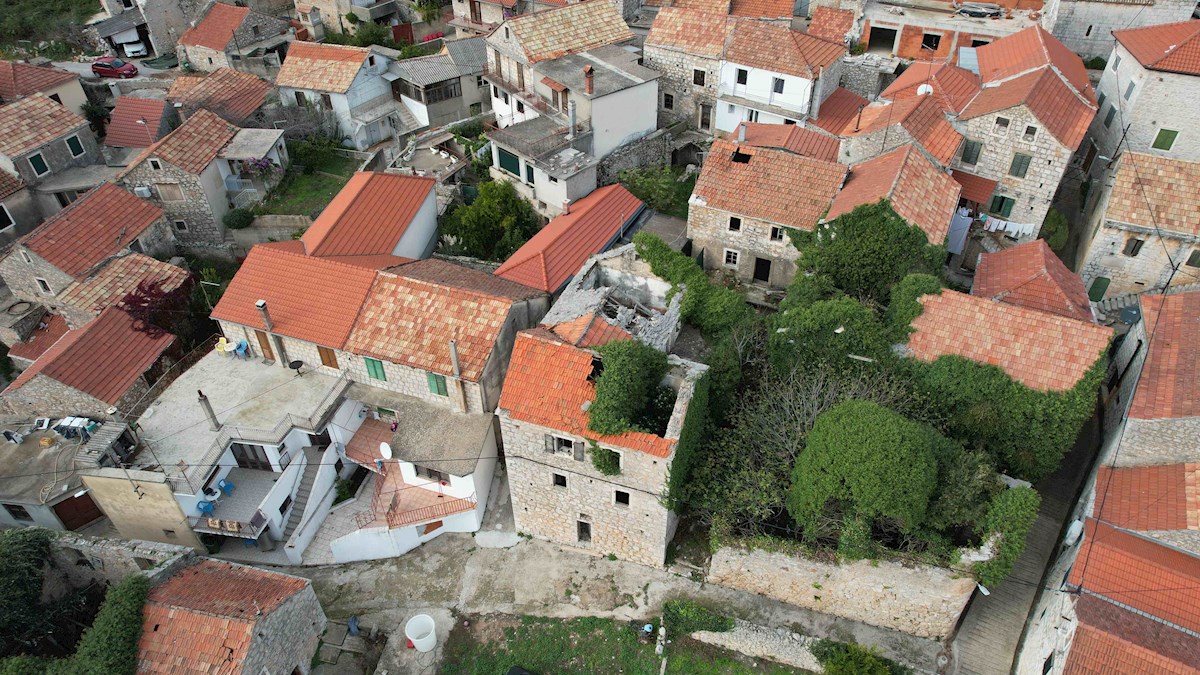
{"x":302,"y":194}
{"x":494,"y":644}
{"x":661,"y":188}
{"x":691,"y":657}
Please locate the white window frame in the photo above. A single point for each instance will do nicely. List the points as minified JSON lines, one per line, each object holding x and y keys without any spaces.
{"x":35,"y":171}
{"x":82,"y":149}
{"x":777,"y":229}
{"x":177,"y":223}
{"x":25,"y":256}
{"x":12,"y":222}
{"x":44,"y":286}
{"x":155,"y":165}
{"x":737,"y":258}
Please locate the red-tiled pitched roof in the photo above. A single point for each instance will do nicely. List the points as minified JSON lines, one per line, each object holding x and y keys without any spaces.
{"x":34,"y":121}
{"x":1110,"y":639}
{"x":95,"y":226}
{"x":589,"y":330}
{"x":410,"y":317}
{"x":953,"y":87}
{"x":1030,"y":275}
{"x":839,"y":110}
{"x":547,"y":384}
{"x":556,"y":252}
{"x":1028,"y":50}
{"x":921,"y":117}
{"x":1169,"y":386}
{"x":974,"y":188}
{"x":1042,"y":351}
{"x":216,"y":29}
{"x":1047,"y":96}
{"x":1166,"y":185}
{"x":113,"y":337}
{"x":368,"y":216}
{"x":1162,"y":497}
{"x":321,"y":67}
{"x":773,"y":185}
{"x":780,"y":49}
{"x":311,"y":299}
{"x":695,"y":32}
{"x":231,"y":94}
{"x":119,"y":278}
{"x":41,"y":339}
{"x":831,"y":24}
{"x":1171,"y":47}
{"x":193,"y":145}
{"x":135,"y":122}
{"x":9,"y":184}
{"x":709,"y":6}
{"x":22,"y":79}
{"x":1139,"y":573}
{"x":919,"y":192}
{"x":791,"y":137}
{"x":568,"y":30}
{"x":767,"y":9}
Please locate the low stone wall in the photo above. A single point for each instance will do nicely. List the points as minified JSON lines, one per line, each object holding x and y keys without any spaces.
{"x":918,"y":600}
{"x":268,"y":228}
{"x":77,"y":561}
{"x":650,"y":150}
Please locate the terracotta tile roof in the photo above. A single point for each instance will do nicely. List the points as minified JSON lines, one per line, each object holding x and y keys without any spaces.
{"x":22,"y":79}
{"x":114,"y":339}
{"x":698,"y":33}
{"x":839,"y":110}
{"x":321,"y":67}
{"x":953,"y":87}
{"x":119,"y":278}
{"x":202,"y":619}
{"x":97,"y":225}
{"x":768,"y":9}
{"x":1110,"y":639}
{"x":1164,"y":183}
{"x":1139,"y":573}
{"x":553,"y":255}
{"x":231,"y":94}
{"x":831,"y":24}
{"x":41,"y":339}
{"x":709,"y":6}
{"x":216,"y":29}
{"x":547,"y":384}
{"x":1163,"y":497}
{"x":182,"y":84}
{"x":773,"y":185}
{"x":363,"y":446}
{"x":974,"y":188}
{"x":790,"y":137}
{"x":310,"y":299}
{"x":368,"y":216}
{"x":193,"y":144}
{"x":9,"y":184}
{"x":410,"y":317}
{"x":135,"y":122}
{"x":589,"y":330}
{"x":919,"y":192}
{"x":1042,"y":351}
{"x":1030,"y":275}
{"x":1032,"y":49}
{"x":1169,"y":386}
{"x":569,"y":30}
{"x":1047,"y":96}
{"x":780,"y":49}
{"x":1171,"y":47}
{"x":34,"y":121}
{"x":921,"y":117}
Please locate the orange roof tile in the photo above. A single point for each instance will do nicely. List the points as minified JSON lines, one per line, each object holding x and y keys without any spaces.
{"x":974,"y":188}
{"x":589,"y":330}
{"x":368,"y":216}
{"x":119,"y":278}
{"x":1031,"y":49}
{"x":34,"y":121}
{"x":312,"y":299}
{"x":759,"y":44}
{"x":709,"y":6}
{"x":547,"y":384}
{"x":774,"y":185}
{"x":231,"y":94}
{"x":1163,"y":497}
{"x":1047,"y":96}
{"x":411,"y":315}
{"x":321,"y":67}
{"x":552,"y":256}
{"x":22,"y":79}
{"x":1030,"y":275}
{"x":9,"y":184}
{"x":921,"y":117}
{"x":831,"y":24}
{"x":569,"y":30}
{"x":104,"y":220}
{"x":216,"y":29}
{"x":193,"y":144}
{"x":135,"y":122}
{"x":1169,"y":386}
{"x":790,"y":137}
{"x":114,"y":337}
{"x":1171,"y":47}
{"x":1042,"y":351}
{"x":919,"y":192}
{"x":767,"y":9}
{"x":41,"y":339}
{"x":953,"y":87}
{"x":698,"y":33}
{"x":1110,"y":639}
{"x":1165,"y":183}
{"x":839,"y":110}
{"x":182,"y":84}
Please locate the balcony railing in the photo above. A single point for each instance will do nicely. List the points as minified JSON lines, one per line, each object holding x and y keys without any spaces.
{"x":528,"y":95}
{"x":386,"y":504}
{"x":772,"y":100}
{"x":471,"y":24}
{"x":535,"y":148}
{"x":231,"y":528}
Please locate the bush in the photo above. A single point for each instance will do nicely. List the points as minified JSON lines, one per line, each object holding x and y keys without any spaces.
{"x":313,"y":152}
{"x":495,"y":225}
{"x":23,"y":553}
{"x":713,"y":309}
{"x":853,"y":659}
{"x":110,"y":646}
{"x":1096,"y":63}
{"x":238,"y":219}
{"x":808,"y":289}
{"x":684,"y":617}
{"x":344,"y":490}
{"x":605,"y":461}
{"x":1011,"y":516}
{"x":1055,"y":230}
{"x":826,"y":333}
{"x":658,"y":187}
{"x":631,"y":374}
{"x":903,"y":305}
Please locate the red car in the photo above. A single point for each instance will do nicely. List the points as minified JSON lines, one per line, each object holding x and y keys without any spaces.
{"x":111,"y":66}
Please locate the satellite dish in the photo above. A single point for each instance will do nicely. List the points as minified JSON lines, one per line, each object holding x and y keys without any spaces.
{"x":385,"y":450}
{"x":924,"y":90}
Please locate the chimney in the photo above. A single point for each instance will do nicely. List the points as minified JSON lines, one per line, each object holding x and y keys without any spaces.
{"x":454,"y":358}
{"x":566,"y":207}
{"x":858,"y":120}
{"x":262,"y":309}
{"x":571,"y":120}
{"x":741,"y":133}
{"x":814,"y":106}
{"x":589,"y":83}
{"x":460,"y":389}
{"x":213,"y":424}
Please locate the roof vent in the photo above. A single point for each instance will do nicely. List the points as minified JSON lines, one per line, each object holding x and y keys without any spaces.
{"x":741,"y":157}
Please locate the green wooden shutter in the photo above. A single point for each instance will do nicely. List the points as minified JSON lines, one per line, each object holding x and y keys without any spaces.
{"x":970,"y":152}
{"x":1019,"y":166}
{"x":437,"y":384}
{"x":375,"y":369}
{"x":509,"y":162}
{"x":1165,"y":139}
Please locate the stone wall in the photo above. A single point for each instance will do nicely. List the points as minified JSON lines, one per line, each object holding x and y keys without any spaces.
{"x":268,"y":228}
{"x":1160,"y":441}
{"x":205,"y":59}
{"x":195,"y":210}
{"x":1147,"y":271}
{"x":1086,"y":27}
{"x":43,"y":396}
{"x":708,"y":228}
{"x":286,"y":639}
{"x":24,"y":213}
{"x":79,"y":561}
{"x":865,"y":80}
{"x":860,"y":148}
{"x":58,"y":156}
{"x":677,"y":70}
{"x":918,"y":600}
{"x":650,"y":150}
{"x":21,"y":276}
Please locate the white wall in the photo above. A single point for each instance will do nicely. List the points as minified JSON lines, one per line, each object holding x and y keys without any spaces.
{"x":421,"y":235}
{"x":320,"y":501}
{"x":348,"y":418}
{"x":417,"y":108}
{"x":623,"y":116}
{"x":506,"y":113}
{"x":797,"y":91}
{"x":214,"y":190}
{"x":730,"y":115}
{"x":42,"y":515}
{"x":286,"y":486}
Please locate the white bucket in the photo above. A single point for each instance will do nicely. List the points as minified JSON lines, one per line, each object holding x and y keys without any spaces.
{"x":422,"y":631}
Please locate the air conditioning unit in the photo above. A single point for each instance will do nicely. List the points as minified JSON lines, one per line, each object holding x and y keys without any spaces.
{"x":143,"y":192}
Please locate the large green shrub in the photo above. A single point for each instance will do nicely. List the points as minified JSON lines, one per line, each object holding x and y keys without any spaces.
{"x":904,"y":305}
{"x":836,"y":333}
{"x":631,"y":373}
{"x":1055,"y":230}
{"x":23,"y":554}
{"x":807,"y":289}
{"x":313,"y":152}
{"x":713,"y":309}
{"x":238,"y":219}
{"x":1011,"y":515}
{"x":853,"y":659}
{"x":493,"y":226}
{"x":659,"y":188}
{"x":684,"y":617}
{"x":110,"y":646}
{"x":604,"y":460}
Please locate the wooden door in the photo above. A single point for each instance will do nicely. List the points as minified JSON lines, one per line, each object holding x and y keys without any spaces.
{"x":264,"y":345}
{"x":77,"y":512}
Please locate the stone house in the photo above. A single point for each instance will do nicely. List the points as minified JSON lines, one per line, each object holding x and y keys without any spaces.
{"x":201,"y":170}
{"x":221,"y":616}
{"x":1131,"y":249}
{"x":477,"y":18}
{"x":1030,"y":275}
{"x":18,"y":80}
{"x":136,"y":123}
{"x":18,"y":212}
{"x":566,"y":94}
{"x":1087,"y":27}
{"x":235,"y":37}
{"x":557,"y":492}
{"x":130,"y":26}
{"x":443,"y":88}
{"x":868,"y":130}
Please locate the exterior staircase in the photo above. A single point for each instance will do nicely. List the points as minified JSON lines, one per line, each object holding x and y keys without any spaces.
{"x":1110,"y":308}
{"x":306,"y":481}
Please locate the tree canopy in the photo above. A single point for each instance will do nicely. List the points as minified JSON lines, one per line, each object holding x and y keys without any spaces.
{"x":626,"y":387}
{"x":495,"y":225}
{"x":838,"y":333}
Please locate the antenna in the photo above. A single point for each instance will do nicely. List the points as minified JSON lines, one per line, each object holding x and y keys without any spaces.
{"x":925,"y":89}
{"x":385,"y":450}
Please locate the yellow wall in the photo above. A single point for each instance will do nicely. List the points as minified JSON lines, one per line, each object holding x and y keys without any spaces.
{"x":141,"y":518}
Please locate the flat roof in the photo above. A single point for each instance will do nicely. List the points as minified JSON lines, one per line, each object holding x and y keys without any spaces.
{"x":29,"y":467}
{"x":613,"y":69}
{"x":251,"y":144}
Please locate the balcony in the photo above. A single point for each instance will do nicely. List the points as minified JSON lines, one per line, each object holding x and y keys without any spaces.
{"x":775,"y":104}
{"x":374,"y":109}
{"x":370,"y":11}
{"x":527,"y":94}
{"x":399,"y":504}
{"x":472,"y":25}
{"x":539,"y":137}
{"x":238,"y":514}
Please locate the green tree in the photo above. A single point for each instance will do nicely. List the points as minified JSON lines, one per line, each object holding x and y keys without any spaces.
{"x":495,"y":225}
{"x":631,"y":374}
{"x":110,"y":646}
{"x":837,"y":333}
{"x":1055,"y":230}
{"x":904,"y":305}
{"x":23,"y":553}
{"x":370,"y":33}
{"x":1010,"y":517}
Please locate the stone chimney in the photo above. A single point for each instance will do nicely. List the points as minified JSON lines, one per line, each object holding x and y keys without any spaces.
{"x":589,"y":80}
{"x":460,"y":389}
{"x":266,"y":316}
{"x":213,"y":424}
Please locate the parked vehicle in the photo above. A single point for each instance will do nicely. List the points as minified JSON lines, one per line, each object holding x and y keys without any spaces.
{"x":134,"y":49}
{"x":111,"y":66}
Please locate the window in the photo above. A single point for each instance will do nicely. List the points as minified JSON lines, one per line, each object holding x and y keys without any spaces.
{"x":776,"y":233}
{"x":931,"y":41}
{"x":66,"y":197}
{"x":520,"y":106}
{"x":44,"y":286}
{"x":979,"y":42}
{"x":1020,"y":165}
{"x":1030,"y":133}
{"x":1112,"y":112}
{"x":1002,"y":206}
{"x":1088,"y":32}
{"x":287,"y":501}
{"x":506,"y":35}
{"x":169,"y":192}
{"x":621,"y":497}
{"x":529,"y":174}
{"x":1129,"y":91}
{"x":751,"y":115}
{"x":443,"y":91}
{"x":698,"y":77}
{"x":437,"y":384}
{"x":1165,"y":139}
{"x":375,"y":369}
{"x":731,"y":258}
{"x":584,"y":531}
{"x":1133,"y":247}
{"x":1117,"y":62}
{"x":777,"y":85}
{"x":38,"y":163}
{"x":300,"y":100}
{"x":668,"y":102}
{"x":970,"y":151}
{"x":157,"y":165}
{"x":25,"y":255}
{"x":136,"y":246}
{"x":1194,"y":259}
{"x":509,"y":162}
{"x":742,"y":75}
{"x":431,"y":474}
{"x":735,"y":224}
{"x":552,"y":179}
{"x":564,"y":446}
{"x":326,"y":102}
{"x":558,"y":480}
{"x":328,"y":357}
{"x":6,"y":219}
{"x":180,"y":225}
{"x":1001,"y":125}
{"x":169,"y":534}
{"x":56,"y":98}
{"x":1100,"y":101}
{"x":18,"y":512}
